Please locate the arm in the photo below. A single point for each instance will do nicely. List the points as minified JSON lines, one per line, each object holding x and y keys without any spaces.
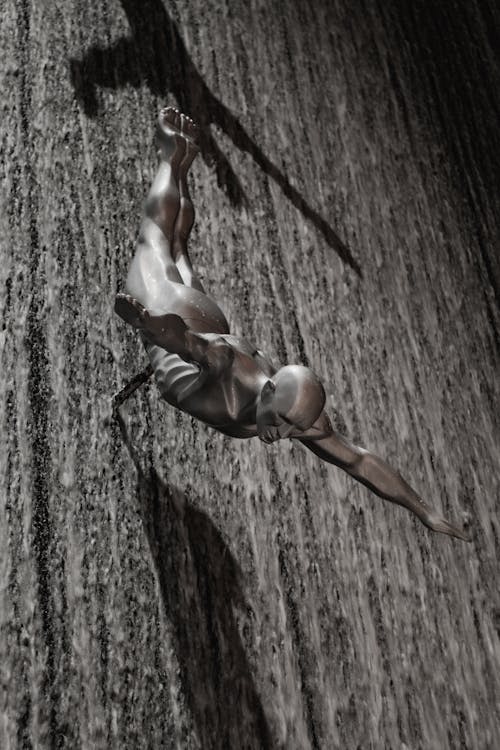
{"x":171,"y":333}
{"x":375,"y":474}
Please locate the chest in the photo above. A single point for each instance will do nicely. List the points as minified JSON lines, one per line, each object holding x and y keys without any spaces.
{"x":229,"y":399}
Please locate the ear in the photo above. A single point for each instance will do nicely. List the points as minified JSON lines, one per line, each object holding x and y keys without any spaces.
{"x":268,"y":388}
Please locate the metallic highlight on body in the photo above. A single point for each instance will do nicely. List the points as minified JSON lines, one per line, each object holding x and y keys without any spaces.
{"x":218,"y":378}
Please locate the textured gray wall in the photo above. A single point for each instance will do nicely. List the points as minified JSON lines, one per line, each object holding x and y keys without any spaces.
{"x":163,"y":586}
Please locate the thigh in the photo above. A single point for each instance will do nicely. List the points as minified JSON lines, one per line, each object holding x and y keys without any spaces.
{"x":148,"y":283}
{"x":197,"y":309}
{"x":150,"y":276}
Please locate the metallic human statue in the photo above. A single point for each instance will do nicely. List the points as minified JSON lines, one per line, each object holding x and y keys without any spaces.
{"x":220,"y":379}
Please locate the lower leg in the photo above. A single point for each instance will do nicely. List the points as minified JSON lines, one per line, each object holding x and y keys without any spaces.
{"x":183,"y":226}
{"x":153,"y":260}
{"x":163,"y":201}
{"x":185,"y":217}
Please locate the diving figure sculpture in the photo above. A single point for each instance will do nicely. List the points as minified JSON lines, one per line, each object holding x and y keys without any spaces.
{"x":216,"y":377}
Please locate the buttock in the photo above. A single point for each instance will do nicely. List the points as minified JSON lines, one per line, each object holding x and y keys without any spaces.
{"x":198,"y":310}
{"x":148,"y":283}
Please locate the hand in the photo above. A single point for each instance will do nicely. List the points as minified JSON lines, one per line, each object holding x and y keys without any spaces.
{"x":271,"y":433}
{"x":437,"y":523}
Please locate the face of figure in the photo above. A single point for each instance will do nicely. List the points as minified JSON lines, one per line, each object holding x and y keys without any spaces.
{"x":289,"y":404}
{"x":271,"y":425}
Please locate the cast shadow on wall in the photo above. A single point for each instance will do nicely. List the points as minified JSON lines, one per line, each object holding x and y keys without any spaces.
{"x":199,"y":581}
{"x":155,"y":55}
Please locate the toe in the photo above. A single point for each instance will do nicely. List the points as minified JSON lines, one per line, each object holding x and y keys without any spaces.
{"x":189,"y":128}
{"x":168,"y":115}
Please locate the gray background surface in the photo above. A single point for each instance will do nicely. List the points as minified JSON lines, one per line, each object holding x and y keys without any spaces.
{"x":163,"y":586}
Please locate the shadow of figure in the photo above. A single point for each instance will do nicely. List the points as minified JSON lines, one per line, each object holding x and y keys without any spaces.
{"x":200,"y":588}
{"x":155,"y":54}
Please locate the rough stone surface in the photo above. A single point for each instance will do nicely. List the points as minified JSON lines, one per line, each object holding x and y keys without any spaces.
{"x":163,"y":586}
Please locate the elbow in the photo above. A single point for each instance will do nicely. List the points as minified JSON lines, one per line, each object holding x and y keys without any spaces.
{"x":379,"y":477}
{"x":359,"y":466}
{"x":369,"y":470}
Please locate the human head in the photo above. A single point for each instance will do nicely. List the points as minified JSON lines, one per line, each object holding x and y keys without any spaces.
{"x":291,"y":401}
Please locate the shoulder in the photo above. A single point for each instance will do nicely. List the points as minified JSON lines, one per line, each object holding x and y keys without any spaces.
{"x":263,"y":362}
{"x":243,"y":346}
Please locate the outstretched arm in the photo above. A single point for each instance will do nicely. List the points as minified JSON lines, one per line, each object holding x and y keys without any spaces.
{"x":375,"y":474}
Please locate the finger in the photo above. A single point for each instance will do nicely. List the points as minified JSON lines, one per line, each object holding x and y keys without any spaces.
{"x":442,"y":526}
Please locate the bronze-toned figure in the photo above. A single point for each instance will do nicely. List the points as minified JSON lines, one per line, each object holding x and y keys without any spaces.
{"x":201,"y":368}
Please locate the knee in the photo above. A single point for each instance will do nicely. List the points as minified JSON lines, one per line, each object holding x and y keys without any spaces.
{"x":360,"y":464}
{"x":146,"y":272}
{"x":163,"y":211}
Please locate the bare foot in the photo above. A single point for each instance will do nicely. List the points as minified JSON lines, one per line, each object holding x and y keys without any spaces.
{"x":130,"y":310}
{"x":162,"y":329}
{"x":190,"y":131}
{"x":170,"y":140}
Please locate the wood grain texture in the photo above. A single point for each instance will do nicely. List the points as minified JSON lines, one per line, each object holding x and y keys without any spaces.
{"x":164,"y":586}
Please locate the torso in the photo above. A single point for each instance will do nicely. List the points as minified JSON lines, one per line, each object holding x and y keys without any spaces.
{"x":227,"y":403}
